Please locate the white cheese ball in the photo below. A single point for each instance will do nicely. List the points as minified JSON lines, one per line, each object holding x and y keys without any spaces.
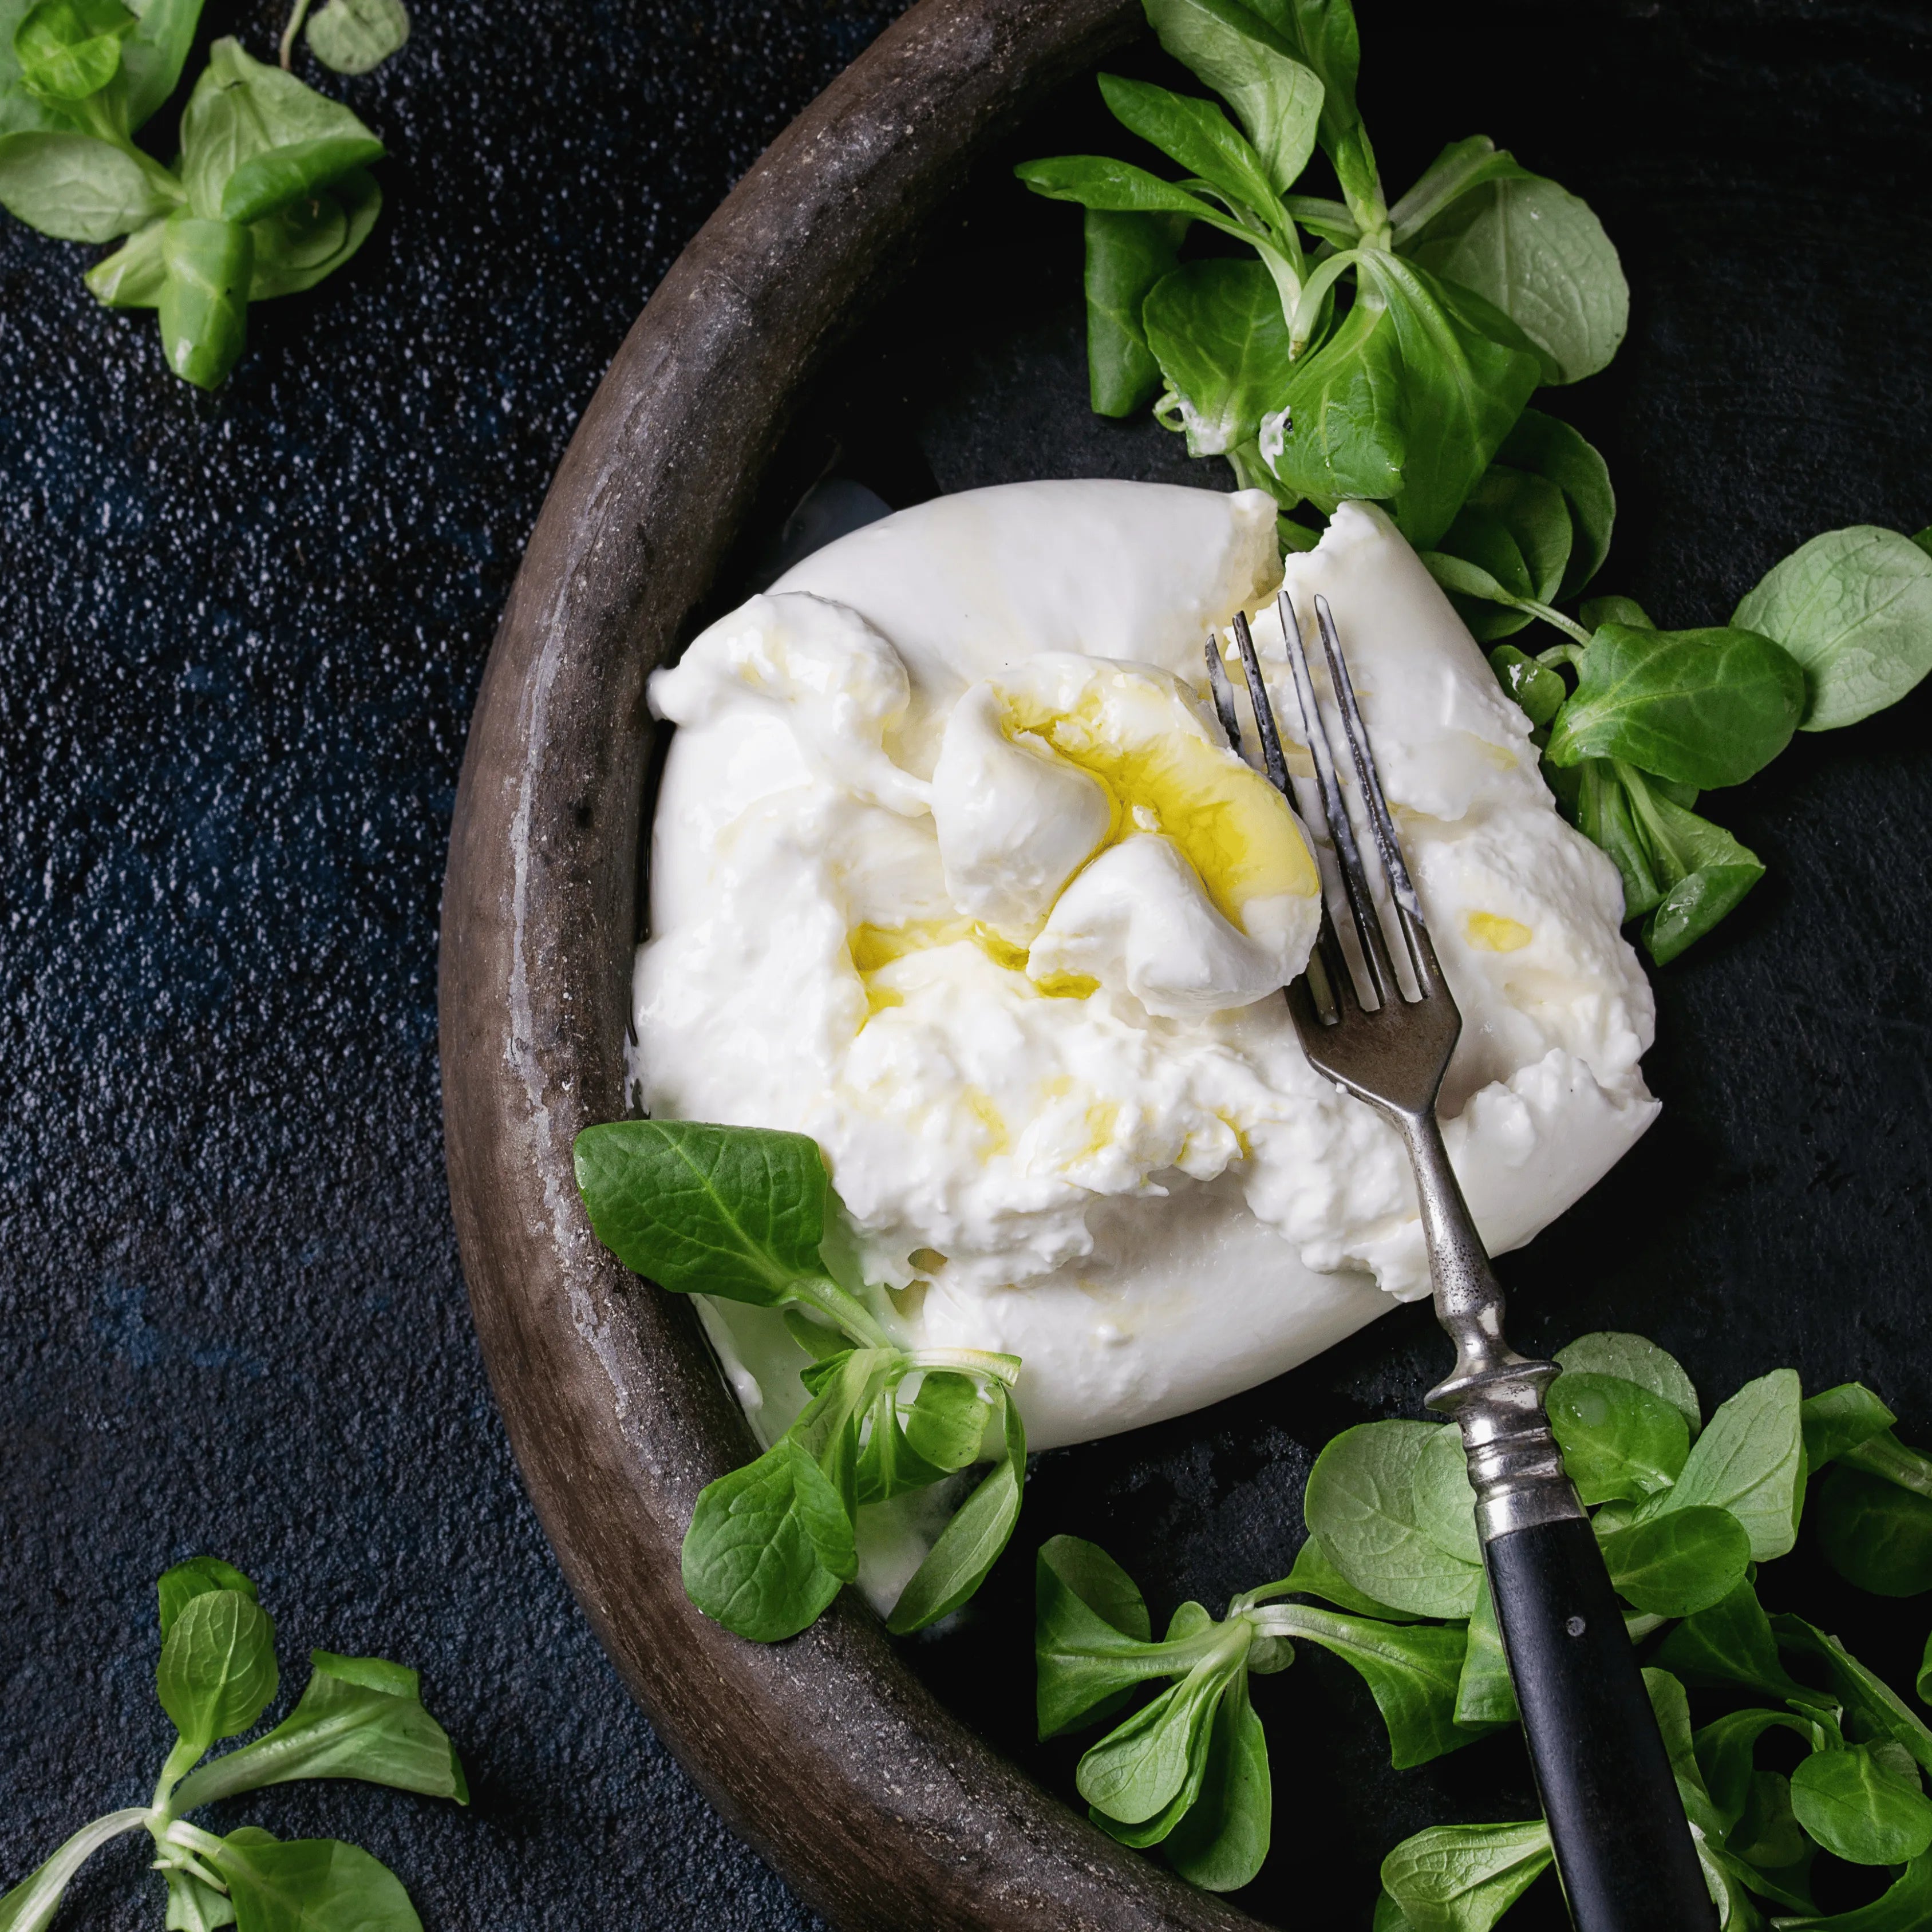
{"x":952,"y":870}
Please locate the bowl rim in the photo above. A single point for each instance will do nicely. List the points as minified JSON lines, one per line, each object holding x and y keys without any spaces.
{"x":826,"y":1753}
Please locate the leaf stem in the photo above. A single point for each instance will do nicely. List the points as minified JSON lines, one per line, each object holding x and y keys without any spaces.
{"x":193,"y":1838}
{"x":970,"y":1361}
{"x":180,"y":1761}
{"x":846,"y":1311}
{"x":297,"y":15}
{"x":1568,"y":625}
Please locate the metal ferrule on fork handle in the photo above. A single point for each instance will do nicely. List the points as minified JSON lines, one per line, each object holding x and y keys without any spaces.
{"x":1516,"y":1468}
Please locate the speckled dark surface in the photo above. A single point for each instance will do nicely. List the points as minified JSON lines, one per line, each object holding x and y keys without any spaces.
{"x":237,"y":641}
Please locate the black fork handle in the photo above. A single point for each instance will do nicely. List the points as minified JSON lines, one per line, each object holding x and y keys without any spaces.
{"x":1623,"y":1850}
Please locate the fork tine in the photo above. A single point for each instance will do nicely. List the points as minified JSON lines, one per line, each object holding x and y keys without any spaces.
{"x":1408,"y":905}
{"x":1341,"y":832}
{"x":1224,"y":693}
{"x":1264,"y":723}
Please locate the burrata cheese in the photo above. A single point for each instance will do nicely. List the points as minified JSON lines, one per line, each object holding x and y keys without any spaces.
{"x":953,"y":870}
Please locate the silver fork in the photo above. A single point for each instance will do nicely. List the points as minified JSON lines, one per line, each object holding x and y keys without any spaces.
{"x":1623,"y":1847}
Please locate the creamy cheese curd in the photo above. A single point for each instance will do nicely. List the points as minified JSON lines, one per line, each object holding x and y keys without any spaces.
{"x":952,"y":870}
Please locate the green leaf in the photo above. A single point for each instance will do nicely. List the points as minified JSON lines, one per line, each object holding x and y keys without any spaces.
{"x":769,"y":1546}
{"x":1676,"y":1565}
{"x":133,"y":275}
{"x":1363,"y":1502}
{"x":1094,"y":181}
{"x":1533,"y":686}
{"x":1462,"y":392}
{"x":193,"y":1907}
{"x":1618,"y":1440}
{"x":1922,"y":1683}
{"x":1536,"y":514}
{"x":1709,"y":707}
{"x":970,"y":1545}
{"x":1276,"y":99}
{"x":946,"y":1423}
{"x":1633,"y":1359}
{"x":1090,"y":1577}
{"x":1873,"y":1709}
{"x":1463,"y":1878}
{"x":1322,"y":33}
{"x":1702,"y":873}
{"x":294,"y":250}
{"x":1730,"y":1644}
{"x":1883,"y":1455}
{"x":1127,"y":255}
{"x":353,"y":36}
{"x":77,"y":188}
{"x":1874,"y":1533}
{"x":254,"y":138}
{"x":1854,"y":606}
{"x":1540,"y":255}
{"x":1337,"y":430}
{"x":1484,"y":1694}
{"x":358,"y":1717}
{"x":207,"y":268}
{"x":1599,"y":804}
{"x":1905,"y":1906}
{"x":1548,"y":447}
{"x":311,"y":1885}
{"x":1837,"y":1419}
{"x":299,"y":245}
{"x":1724,"y":1752}
{"x":1463,"y":579}
{"x":217,"y":1673}
{"x":1412,"y":1671}
{"x":1673,"y":1709}
{"x":177,"y":1587}
{"x":1749,"y":1460}
{"x":1768,"y":1838}
{"x":68,"y":49}
{"x":1314,"y":1574}
{"x":1221,"y":1842}
{"x":32,"y":1903}
{"x":1595,"y":612}
{"x":1462,"y":166}
{"x":1861,"y":1809}
{"x":1516,"y":527}
{"x":739,"y":1212}
{"x":1196,"y":134}
{"x":1216,"y":329}
{"x":1092,"y":1640}
{"x":153,"y":55}
{"x":1134,"y":1772}
{"x":1445,"y":1503}
{"x":1674,"y":1725}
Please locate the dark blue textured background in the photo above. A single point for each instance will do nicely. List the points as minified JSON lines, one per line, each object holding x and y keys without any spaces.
{"x":238,"y":641}
{"x":239,"y":636}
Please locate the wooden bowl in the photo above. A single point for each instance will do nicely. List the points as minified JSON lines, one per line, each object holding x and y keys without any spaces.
{"x":826,"y":1753}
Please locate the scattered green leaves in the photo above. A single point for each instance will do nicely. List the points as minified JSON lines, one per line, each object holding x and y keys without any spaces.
{"x":359,"y":1717}
{"x":269,"y":194}
{"x":1689,"y":1509}
{"x":746,"y":1213}
{"x":1410,"y":348}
